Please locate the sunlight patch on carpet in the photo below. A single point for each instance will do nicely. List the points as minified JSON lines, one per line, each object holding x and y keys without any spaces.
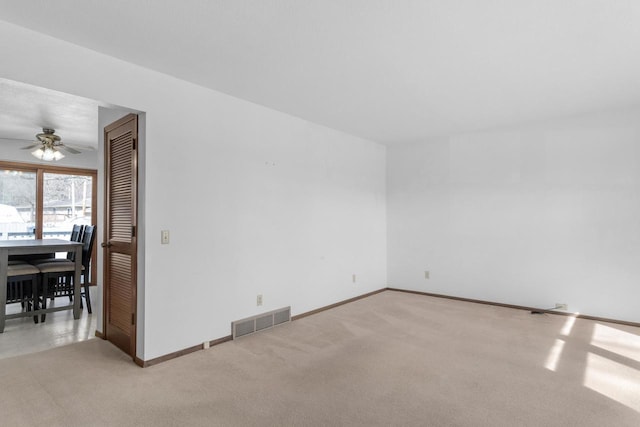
{"x":554,"y":355}
{"x":614,"y":380}
{"x":568,"y":325}
{"x":617,"y":341}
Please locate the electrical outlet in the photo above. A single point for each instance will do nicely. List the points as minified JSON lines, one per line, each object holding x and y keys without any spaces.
{"x":561,"y":306}
{"x":164,"y":237}
{"x":259,"y":300}
{"x":426,"y":274}
{"x":205,"y":345}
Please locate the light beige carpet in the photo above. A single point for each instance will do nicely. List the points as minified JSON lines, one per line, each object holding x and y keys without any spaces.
{"x":393,"y":359}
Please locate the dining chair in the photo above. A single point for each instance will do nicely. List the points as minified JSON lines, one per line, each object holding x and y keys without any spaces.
{"x":88,"y":239}
{"x":76,"y":233}
{"x":76,"y":236}
{"x":22,"y":285}
{"x":57,"y":276}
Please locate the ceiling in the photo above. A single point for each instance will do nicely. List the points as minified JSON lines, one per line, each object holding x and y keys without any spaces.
{"x":392,"y":71}
{"x":26,"y":109}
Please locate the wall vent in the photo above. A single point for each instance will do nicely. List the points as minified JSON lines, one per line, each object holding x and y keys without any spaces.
{"x":259,"y":322}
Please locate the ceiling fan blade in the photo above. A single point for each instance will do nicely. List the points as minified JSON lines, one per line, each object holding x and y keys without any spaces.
{"x":80,"y":147}
{"x":32,"y":146}
{"x":68,"y":149}
{"x":18,"y":140}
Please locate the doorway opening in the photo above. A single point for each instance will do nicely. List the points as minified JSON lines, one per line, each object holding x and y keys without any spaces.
{"x":45,"y":199}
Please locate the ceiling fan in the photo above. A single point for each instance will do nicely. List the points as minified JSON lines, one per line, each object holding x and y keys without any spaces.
{"x":48,"y":146}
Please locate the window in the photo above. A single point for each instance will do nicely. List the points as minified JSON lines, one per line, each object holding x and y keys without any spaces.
{"x":17,"y":204}
{"x":66,"y":201}
{"x":38,"y":201}
{"x":42,"y":201}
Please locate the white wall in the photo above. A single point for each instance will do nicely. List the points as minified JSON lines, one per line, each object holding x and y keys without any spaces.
{"x":533,"y":215}
{"x":256,"y":201}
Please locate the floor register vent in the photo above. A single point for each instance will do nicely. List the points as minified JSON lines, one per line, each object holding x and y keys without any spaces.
{"x":247,"y":326}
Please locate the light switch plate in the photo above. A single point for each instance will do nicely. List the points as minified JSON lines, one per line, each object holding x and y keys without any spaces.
{"x":164,"y":237}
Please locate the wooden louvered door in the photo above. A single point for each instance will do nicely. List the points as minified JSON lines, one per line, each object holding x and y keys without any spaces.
{"x":120,"y":245}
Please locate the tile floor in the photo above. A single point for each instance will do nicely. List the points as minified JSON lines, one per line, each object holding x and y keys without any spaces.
{"x":22,"y":336}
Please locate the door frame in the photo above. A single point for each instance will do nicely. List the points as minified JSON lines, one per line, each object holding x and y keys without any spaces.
{"x":134,"y":240}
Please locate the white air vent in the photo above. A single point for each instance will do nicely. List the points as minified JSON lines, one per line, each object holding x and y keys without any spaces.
{"x":259,"y":322}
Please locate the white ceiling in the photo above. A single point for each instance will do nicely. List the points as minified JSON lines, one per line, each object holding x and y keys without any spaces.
{"x":26,"y":109}
{"x":388,"y":70}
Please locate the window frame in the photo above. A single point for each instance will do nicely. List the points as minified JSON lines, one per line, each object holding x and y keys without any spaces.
{"x":40,"y":170}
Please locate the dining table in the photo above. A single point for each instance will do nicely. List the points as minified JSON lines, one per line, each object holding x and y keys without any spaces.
{"x":35,"y":247}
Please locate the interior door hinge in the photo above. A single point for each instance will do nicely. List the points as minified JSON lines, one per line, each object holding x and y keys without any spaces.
{"x":133,"y":143}
{"x":133,"y":231}
{"x":133,"y":319}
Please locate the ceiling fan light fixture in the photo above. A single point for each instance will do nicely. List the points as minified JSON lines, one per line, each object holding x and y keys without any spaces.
{"x":48,"y":147}
{"x":38,"y":153}
{"x":47,"y":154}
{"x":57,"y":155}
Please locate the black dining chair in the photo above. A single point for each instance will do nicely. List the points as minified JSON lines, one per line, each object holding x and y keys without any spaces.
{"x":76,"y":233}
{"x":88,"y":239}
{"x":76,"y":236}
{"x":57,"y":276}
{"x":22,"y":285}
